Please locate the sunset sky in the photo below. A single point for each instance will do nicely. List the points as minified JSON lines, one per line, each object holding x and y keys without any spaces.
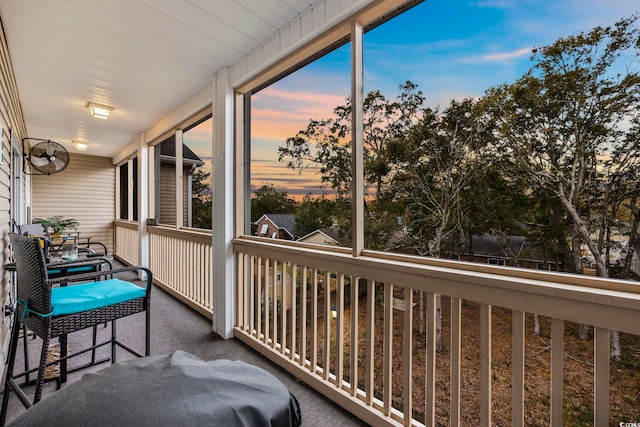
{"x":451,"y":49}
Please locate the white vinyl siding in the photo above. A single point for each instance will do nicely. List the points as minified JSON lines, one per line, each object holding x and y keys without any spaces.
{"x":87,"y":187}
{"x":10,"y":118}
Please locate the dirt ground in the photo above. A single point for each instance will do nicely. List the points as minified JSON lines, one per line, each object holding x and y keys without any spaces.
{"x":578,"y":368}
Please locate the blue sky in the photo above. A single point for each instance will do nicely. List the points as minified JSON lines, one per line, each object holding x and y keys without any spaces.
{"x":461,"y":48}
{"x":451,"y":49}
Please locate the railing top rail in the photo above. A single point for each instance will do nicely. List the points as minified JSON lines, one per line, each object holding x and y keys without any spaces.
{"x":133,"y":225}
{"x":188,"y":234}
{"x":610,"y":303}
{"x":596,"y":282}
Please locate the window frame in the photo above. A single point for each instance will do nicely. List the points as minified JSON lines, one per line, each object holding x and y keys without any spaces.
{"x":350,"y":30}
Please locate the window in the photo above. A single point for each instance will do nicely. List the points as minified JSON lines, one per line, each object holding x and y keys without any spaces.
{"x":129,"y":189}
{"x":193,"y":146}
{"x":299,"y":148}
{"x":197,"y":159}
{"x":166,"y":181}
{"x":438,"y":174}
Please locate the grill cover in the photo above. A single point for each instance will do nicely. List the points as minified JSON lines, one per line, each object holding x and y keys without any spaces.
{"x":175,"y":390}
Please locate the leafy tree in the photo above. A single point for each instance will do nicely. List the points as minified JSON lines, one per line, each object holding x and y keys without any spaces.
{"x":268,"y":200}
{"x":497,"y":203}
{"x":313,"y":214}
{"x":564,"y":124}
{"x":201,"y":200}
{"x":550,"y":229}
{"x":436,"y":162}
{"x":624,"y":192}
{"x":325,"y":144}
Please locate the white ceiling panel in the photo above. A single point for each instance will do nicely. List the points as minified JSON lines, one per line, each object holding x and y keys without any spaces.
{"x":142,"y":57}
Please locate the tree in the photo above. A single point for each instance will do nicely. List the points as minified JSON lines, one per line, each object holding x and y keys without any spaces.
{"x":201,"y":200}
{"x":496,"y":203}
{"x":268,"y":200}
{"x":325,"y":144}
{"x":313,"y":214}
{"x":564,"y":125}
{"x":435,"y":162}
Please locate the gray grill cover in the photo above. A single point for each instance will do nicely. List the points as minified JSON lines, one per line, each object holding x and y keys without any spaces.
{"x":176,"y":390}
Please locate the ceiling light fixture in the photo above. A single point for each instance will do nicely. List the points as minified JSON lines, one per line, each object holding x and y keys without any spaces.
{"x":80,"y":146}
{"x":99,"y":111}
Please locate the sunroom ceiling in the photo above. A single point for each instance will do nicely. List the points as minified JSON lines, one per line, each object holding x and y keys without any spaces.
{"x":142,"y":57}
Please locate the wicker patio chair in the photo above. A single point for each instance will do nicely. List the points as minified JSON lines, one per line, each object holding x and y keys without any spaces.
{"x":69,"y":269}
{"x":51,"y":312}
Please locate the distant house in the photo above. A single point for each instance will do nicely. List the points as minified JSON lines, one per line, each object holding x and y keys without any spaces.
{"x":324,"y":236}
{"x":511,"y":251}
{"x":277,"y":226}
{"x":165,"y":191}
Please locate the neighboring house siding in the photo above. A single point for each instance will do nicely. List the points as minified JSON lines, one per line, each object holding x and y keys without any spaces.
{"x":87,"y":187}
{"x":266,"y":228}
{"x":167,"y":197}
{"x":186,"y":197}
{"x":10,"y":118}
{"x":318,"y":238}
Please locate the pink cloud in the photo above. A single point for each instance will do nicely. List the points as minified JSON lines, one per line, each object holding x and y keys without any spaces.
{"x":321,"y":98}
{"x":279,"y":114}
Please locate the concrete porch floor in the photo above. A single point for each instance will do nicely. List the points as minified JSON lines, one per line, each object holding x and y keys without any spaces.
{"x":174,"y":326}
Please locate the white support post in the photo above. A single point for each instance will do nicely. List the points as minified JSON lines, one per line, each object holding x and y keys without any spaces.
{"x":143,"y":202}
{"x":130,"y":179}
{"x":151,"y":173}
{"x":357,"y":145}
{"x":223,"y":209}
{"x":179,"y":181}
{"x":117,"y":204}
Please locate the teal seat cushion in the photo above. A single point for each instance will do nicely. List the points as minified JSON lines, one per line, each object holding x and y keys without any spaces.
{"x":89,"y":296}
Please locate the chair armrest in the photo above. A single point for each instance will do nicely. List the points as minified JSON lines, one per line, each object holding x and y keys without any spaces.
{"x":72,"y":269}
{"x":102,"y":273}
{"x":80,"y":262}
{"x":86,"y":244}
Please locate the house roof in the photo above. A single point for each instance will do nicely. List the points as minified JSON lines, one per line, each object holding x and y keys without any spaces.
{"x":282,"y":221}
{"x":168,"y":149}
{"x":510,"y":247}
{"x":329,"y":234}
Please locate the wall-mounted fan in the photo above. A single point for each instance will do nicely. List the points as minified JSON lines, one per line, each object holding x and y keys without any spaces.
{"x":46,"y":156}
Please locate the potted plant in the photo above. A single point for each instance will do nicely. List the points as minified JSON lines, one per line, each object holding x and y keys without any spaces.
{"x":57,"y":224}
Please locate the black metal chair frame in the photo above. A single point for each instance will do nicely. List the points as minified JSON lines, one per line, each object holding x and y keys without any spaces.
{"x":34,"y":291}
{"x":66,"y":269}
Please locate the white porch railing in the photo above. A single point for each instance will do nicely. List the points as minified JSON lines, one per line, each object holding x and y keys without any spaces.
{"x":298,"y":305}
{"x":181,"y":264}
{"x":181,"y":261}
{"x":127,"y":242}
